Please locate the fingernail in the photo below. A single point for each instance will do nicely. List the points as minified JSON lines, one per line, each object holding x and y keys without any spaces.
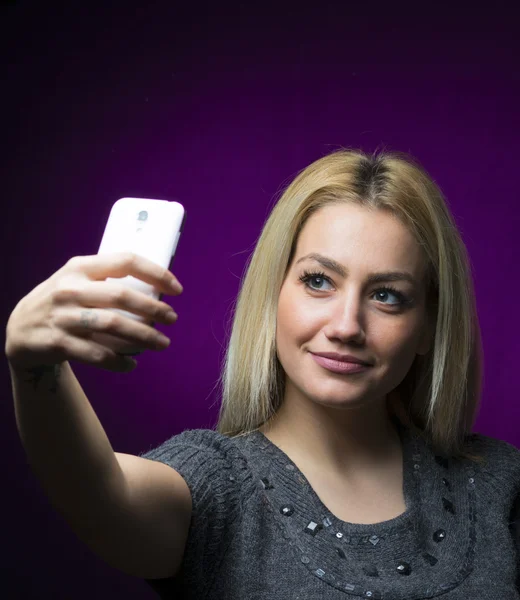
{"x":130,"y":363}
{"x":176,"y":286}
{"x":162,"y":340}
{"x":171,"y":316}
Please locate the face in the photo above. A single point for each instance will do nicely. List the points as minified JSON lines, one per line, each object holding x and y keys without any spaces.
{"x":344,"y":313}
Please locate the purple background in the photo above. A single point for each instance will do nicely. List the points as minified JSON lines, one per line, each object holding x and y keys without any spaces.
{"x":219,"y":107}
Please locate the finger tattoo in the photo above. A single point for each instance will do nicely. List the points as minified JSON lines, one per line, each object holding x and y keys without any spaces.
{"x":88,"y":318}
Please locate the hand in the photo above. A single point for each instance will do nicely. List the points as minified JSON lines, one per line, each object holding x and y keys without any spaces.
{"x":60,"y":319}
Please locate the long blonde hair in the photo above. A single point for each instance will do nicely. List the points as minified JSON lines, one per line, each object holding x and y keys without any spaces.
{"x":440,"y":395}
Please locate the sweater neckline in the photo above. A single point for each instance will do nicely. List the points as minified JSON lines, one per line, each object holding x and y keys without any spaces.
{"x":284,"y":466}
{"x":431,"y":544}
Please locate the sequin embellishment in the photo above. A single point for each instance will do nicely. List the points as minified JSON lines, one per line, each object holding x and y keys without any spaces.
{"x":404,"y":568}
{"x":313,"y":528}
{"x":266,"y":484}
{"x":325,"y":571}
{"x":448,"y":506}
{"x":429,"y":558}
{"x":371,"y":571}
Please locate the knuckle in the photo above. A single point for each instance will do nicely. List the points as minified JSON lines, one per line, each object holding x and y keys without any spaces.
{"x":151,"y":336}
{"x":166,"y":276}
{"x":159,"y":311}
{"x":63,"y":292}
{"x":113,"y":321}
{"x":122,"y":260}
{"x":58,"y":339}
{"x":56,"y":321}
{"x":129,"y":258}
{"x":99,"y":355}
{"x":119,"y":296}
{"x":75,"y":262}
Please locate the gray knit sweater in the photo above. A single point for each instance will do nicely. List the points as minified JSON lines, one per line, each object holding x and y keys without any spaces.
{"x":260,"y":532}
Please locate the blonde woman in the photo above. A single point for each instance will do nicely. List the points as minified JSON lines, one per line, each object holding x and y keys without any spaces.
{"x":343,"y":464}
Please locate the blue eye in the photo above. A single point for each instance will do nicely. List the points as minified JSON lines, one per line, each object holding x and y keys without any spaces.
{"x":319,"y":275}
{"x":307,"y":276}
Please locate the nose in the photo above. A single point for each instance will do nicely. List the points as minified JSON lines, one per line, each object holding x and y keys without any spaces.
{"x":346,"y":320}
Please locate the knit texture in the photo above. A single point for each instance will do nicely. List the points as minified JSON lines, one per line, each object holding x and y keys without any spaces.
{"x":259,"y":530}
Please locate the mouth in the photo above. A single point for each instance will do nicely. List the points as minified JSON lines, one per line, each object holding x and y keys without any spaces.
{"x":342,"y":358}
{"x":339,"y":366}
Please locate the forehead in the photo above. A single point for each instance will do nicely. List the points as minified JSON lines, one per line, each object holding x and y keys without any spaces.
{"x":355,"y":235}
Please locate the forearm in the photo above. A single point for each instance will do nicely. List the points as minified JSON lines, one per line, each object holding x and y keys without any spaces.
{"x":67,"y":447}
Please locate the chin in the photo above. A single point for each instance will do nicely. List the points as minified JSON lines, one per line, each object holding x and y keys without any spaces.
{"x":336,"y":398}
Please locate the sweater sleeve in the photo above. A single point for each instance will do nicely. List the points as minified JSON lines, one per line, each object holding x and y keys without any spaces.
{"x":502,"y":465}
{"x":514,"y":526}
{"x":220,"y":482}
{"x":504,"y":462}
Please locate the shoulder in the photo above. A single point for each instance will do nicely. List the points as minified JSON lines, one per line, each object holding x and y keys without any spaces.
{"x":221,"y":483}
{"x":206,"y":444}
{"x":200,"y":438}
{"x":496,"y":455}
{"x":491,"y":446}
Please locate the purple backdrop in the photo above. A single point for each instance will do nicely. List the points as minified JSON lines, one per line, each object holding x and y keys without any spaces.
{"x":218,"y":107}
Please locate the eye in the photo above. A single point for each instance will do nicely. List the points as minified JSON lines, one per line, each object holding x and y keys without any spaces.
{"x":402,"y":300}
{"x":307,"y":276}
{"x":319,"y":275}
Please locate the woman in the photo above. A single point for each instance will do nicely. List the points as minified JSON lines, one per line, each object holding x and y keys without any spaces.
{"x":327,"y":480}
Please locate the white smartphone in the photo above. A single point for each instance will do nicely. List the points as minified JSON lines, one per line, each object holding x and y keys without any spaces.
{"x":149,"y":228}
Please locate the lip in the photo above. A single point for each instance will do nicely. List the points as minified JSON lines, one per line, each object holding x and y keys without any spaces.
{"x":349,"y":358}
{"x":339,"y":366}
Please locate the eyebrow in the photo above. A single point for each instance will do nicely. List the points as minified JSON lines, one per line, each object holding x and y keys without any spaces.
{"x":338,"y":268}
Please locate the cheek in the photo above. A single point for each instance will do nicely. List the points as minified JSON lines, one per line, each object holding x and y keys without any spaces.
{"x":399,"y":344}
{"x":289,"y":324}
{"x":295,"y":321}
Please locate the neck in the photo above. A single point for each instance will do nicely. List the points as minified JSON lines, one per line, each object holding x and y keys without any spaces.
{"x":337,"y":441}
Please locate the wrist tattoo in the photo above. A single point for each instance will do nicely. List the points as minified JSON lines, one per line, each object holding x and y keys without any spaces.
{"x":51,"y":373}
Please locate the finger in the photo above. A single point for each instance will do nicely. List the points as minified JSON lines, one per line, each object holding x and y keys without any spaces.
{"x":108,"y":294}
{"x":85,"y":322}
{"x":91,"y":353}
{"x":121,"y":264}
